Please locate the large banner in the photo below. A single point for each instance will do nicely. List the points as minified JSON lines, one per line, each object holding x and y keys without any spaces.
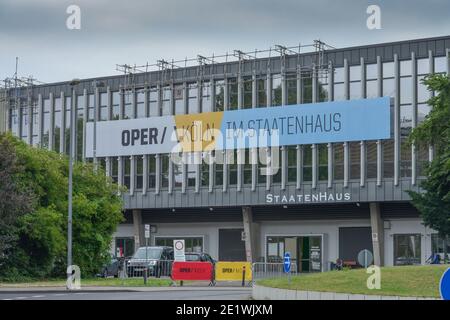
{"x":326,"y":122}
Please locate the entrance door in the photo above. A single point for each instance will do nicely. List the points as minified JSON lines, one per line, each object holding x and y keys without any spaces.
{"x":306,"y":251}
{"x":231,"y":245}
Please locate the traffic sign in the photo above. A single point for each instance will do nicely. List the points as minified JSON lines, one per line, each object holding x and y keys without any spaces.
{"x":147,"y":231}
{"x":365,"y":258}
{"x":178,"y":250}
{"x":444,"y":285}
{"x":287,"y":262}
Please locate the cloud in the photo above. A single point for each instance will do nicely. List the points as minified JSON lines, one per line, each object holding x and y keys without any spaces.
{"x":138,"y":31}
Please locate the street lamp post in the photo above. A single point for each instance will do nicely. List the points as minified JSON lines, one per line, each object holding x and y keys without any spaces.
{"x":73,"y":113}
{"x":96,"y":85}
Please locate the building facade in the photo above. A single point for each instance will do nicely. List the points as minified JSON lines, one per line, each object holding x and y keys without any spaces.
{"x":328,"y":201}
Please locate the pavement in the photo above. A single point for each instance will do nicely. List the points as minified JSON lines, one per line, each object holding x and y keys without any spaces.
{"x":126,"y":293}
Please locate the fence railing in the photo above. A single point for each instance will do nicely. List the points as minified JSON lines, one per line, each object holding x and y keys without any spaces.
{"x":264,"y":270}
{"x":141,"y":268}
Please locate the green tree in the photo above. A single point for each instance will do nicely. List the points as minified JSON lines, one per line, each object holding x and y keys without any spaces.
{"x":40,"y":245}
{"x":434,"y":202}
{"x":15,"y":199}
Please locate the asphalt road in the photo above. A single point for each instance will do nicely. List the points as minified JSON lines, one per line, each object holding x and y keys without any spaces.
{"x":194,"y":294}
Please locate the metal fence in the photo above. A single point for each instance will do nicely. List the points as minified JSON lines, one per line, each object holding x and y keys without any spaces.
{"x":264,"y":270}
{"x":142,"y":268}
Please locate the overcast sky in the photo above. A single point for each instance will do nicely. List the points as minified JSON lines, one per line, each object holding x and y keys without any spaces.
{"x":136,"y":31}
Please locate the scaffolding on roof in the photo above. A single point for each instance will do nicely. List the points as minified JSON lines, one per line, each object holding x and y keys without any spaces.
{"x":318,"y":68}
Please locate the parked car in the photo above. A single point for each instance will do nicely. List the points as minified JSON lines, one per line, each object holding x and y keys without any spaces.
{"x":111,"y":269}
{"x":156,"y":260}
{"x":200,"y":257}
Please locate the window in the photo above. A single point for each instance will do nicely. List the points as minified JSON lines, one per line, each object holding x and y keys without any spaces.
{"x":193,"y":98}
{"x":115,"y":169}
{"x":91,"y":100}
{"x":191,"y":244}
{"x":440,"y":64}
{"x":115,"y":105}
{"x":355,"y":156}
{"x":339,"y":75}
{"x":46,"y":124}
{"x":407,"y":249}
{"x":179,"y":99}
{"x":178,"y":173}
{"x":371,"y":159}
{"x":261,"y":87}
{"x":124,"y":247}
{"x":355,"y":90}
{"x":247,"y":166}
{"x":139,"y":172}
{"x":276,"y":177}
{"x":262,"y":164}
{"x":276,"y":90}
{"x":232,"y":94}
{"x":153,"y":102}
{"x":128,"y":105}
{"x":423,"y":66}
{"x":405,"y":90}
{"x":440,"y":246}
{"x":292,"y":164}
{"x":103,"y":106}
{"x":219,"y":95}
{"x":323,"y":161}
{"x":166,"y":108}
{"x":165,"y":162}
{"x":388,"y":70}
{"x":388,"y":87}
{"x":307,"y":90}
{"x":291,"y":85}
{"x":355,"y":73}
{"x":422,"y":160}
{"x":372,"y":89}
{"x":140,"y":104}
{"x":57,"y":124}
{"x":339,"y":92}
{"x":151,"y":171}
{"x":232,"y":167}
{"x":388,"y":158}
{"x":338,"y":150}
{"x":14,"y":120}
{"x":218,"y":174}
{"x":126,"y":171}
{"x":405,"y":68}
{"x":307,"y":163}
{"x":247,"y":93}
{"x":204,"y":173}
{"x":191,"y":171}
{"x":206,"y":97}
{"x":322,"y":88}
{"x":372,"y":71}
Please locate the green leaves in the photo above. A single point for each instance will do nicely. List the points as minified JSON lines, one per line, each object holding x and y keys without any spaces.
{"x":434,"y":203}
{"x":38,"y":243}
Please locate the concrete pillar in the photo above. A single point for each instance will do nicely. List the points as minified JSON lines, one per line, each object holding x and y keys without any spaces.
{"x":251,"y":231}
{"x":138,"y":229}
{"x":377,"y":233}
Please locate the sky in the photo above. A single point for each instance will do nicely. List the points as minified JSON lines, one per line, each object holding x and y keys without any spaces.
{"x":139,"y":31}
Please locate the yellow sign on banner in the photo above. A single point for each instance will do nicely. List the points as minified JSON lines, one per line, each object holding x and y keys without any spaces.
{"x":233,"y":271}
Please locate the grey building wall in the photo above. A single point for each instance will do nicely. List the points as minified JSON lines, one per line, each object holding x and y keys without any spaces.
{"x":41,"y":120}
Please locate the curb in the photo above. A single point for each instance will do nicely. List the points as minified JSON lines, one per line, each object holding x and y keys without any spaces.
{"x":268,"y":293}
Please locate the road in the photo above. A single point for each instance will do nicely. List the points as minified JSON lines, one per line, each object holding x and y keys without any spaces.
{"x":164,"y":294}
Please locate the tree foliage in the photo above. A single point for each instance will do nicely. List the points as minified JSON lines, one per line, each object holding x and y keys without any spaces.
{"x":40,"y":243}
{"x":434,"y":202}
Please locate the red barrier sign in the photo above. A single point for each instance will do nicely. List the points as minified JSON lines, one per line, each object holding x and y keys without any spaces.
{"x":192,"y":270}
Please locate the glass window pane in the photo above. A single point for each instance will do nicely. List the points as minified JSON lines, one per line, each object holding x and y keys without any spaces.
{"x":405,"y":90}
{"x":355,"y":73}
{"x":440,"y":64}
{"x":371,"y":71}
{"x":339,"y":75}
{"x":388,"y":70}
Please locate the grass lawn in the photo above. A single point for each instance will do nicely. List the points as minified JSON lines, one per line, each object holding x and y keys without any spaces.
{"x":414,"y":281}
{"x":94,"y":282}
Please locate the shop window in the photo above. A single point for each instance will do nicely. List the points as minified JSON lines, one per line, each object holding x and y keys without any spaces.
{"x":440,"y":246}
{"x":407,"y":249}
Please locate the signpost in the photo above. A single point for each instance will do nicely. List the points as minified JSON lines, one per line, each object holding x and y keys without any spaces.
{"x":287,"y":265}
{"x":178,"y":247}
{"x":365,"y":258}
{"x":147,"y":236}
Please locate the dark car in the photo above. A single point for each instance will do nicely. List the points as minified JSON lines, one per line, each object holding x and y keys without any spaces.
{"x":157,"y":261}
{"x":200,"y":257}
{"x":111,"y":269}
